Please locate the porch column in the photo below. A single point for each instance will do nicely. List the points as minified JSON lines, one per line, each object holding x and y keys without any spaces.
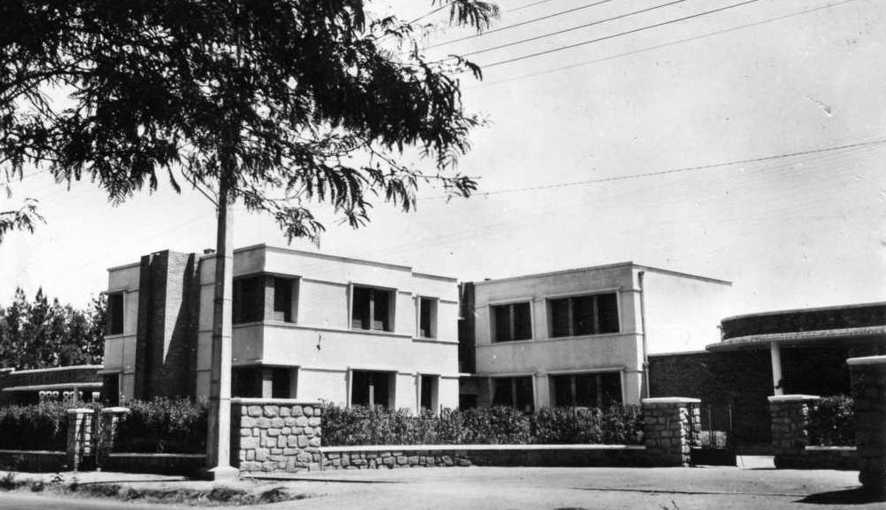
{"x":775,"y":355}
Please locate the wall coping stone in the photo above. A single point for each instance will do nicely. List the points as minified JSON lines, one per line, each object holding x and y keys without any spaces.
{"x":670,"y":400}
{"x":867,"y":360}
{"x":478,"y":447}
{"x":80,"y":410}
{"x":119,"y":409}
{"x":159,"y":455}
{"x":273,"y":401}
{"x":34,"y":452}
{"x":792,"y":398}
{"x":831,"y":448}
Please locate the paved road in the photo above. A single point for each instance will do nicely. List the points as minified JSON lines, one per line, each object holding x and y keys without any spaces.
{"x":544,"y":489}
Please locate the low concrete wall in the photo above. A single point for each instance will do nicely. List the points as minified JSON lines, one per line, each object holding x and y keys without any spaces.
{"x":160,"y":463}
{"x":828,"y":457}
{"x":408,"y":456}
{"x":33,"y":460}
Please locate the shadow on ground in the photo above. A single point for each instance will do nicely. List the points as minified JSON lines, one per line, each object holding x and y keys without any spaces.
{"x":855,"y":496}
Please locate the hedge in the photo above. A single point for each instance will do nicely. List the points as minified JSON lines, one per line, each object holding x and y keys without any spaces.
{"x":832,"y":422}
{"x":163,"y":425}
{"x":41,"y":426}
{"x":495,"y":425}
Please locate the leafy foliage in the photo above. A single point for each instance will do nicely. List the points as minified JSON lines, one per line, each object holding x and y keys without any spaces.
{"x":832,"y":422}
{"x":41,"y":426}
{"x":43,"y":333}
{"x":163,"y":425}
{"x":22,"y":218}
{"x":495,"y":425}
{"x":314,"y":100}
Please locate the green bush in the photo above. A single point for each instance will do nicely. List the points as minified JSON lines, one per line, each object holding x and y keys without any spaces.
{"x":832,"y":422}
{"x":496,"y":425}
{"x":163,"y":425}
{"x":41,"y":426}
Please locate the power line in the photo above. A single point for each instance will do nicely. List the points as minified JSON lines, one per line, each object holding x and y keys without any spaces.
{"x":619,"y":34}
{"x":522,"y":23}
{"x":664,"y":45}
{"x":572,"y":29}
{"x":679,"y":170}
{"x":531,"y":4}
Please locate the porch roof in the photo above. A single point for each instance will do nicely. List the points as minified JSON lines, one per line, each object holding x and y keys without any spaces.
{"x":762,"y":341}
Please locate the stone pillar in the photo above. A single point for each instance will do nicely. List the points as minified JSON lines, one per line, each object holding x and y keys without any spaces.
{"x":107,"y":433}
{"x":869,"y":391}
{"x":789,"y":421}
{"x":671,"y":425}
{"x":81,"y":438}
{"x":275,"y":435}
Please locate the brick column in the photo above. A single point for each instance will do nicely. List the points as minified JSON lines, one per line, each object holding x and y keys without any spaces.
{"x":670,"y":425}
{"x":275,"y":435}
{"x":80,"y":447}
{"x":869,"y":391}
{"x":789,"y":421}
{"x":107,"y":431}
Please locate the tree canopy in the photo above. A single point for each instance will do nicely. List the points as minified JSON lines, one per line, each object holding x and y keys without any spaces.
{"x":43,"y":333}
{"x":290,"y":103}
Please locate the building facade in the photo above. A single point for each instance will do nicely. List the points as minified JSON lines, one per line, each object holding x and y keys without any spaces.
{"x":305,"y":325}
{"x":580,"y":337}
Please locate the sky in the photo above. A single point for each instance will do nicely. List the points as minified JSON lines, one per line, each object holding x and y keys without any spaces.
{"x":615,"y":149}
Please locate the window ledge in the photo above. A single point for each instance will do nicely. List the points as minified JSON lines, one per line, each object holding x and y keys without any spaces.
{"x":421,"y":339}
{"x":115,"y":336}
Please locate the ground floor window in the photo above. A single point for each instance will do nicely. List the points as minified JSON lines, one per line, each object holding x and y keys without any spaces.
{"x":428,"y":392}
{"x":369,"y":388}
{"x":513,"y":392}
{"x":262,"y":382}
{"x":586,"y":390}
{"x":110,"y":394}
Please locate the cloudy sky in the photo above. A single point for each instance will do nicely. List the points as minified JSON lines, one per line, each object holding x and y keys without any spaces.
{"x":618,"y":148}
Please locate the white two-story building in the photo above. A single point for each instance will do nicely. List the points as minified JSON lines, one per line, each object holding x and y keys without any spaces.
{"x":580,"y":337}
{"x":306,"y":325}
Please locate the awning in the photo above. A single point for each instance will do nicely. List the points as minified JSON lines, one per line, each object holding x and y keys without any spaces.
{"x":799,"y":338}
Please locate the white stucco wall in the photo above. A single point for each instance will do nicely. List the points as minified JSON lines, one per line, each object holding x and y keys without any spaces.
{"x":119,"y":350}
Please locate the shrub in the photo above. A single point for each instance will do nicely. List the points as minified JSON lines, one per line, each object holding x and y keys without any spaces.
{"x":163,"y":425}
{"x":41,"y":426}
{"x":496,"y":425}
{"x":832,"y":422}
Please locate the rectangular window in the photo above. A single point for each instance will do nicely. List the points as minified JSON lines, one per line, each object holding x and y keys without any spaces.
{"x":248,"y":299}
{"x":428,"y":397}
{"x":284,"y":299}
{"x":372,"y":389}
{"x":584,"y":315}
{"x":511,"y":322}
{"x":513,"y":392}
{"x":372,"y":309}
{"x":115,"y":313}
{"x":280,"y":382}
{"x":110,"y":394}
{"x":246,"y":382}
{"x":586,"y":390}
{"x":427,"y":318}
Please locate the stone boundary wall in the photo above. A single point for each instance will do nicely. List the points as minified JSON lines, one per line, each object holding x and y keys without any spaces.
{"x":410,"y":456}
{"x":275,"y":435}
{"x":789,"y":418}
{"x":668,"y":425}
{"x":869,"y":390}
{"x":33,"y":460}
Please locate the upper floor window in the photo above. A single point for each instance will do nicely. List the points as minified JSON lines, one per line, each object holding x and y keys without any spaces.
{"x":115,"y":313}
{"x":511,"y":322}
{"x":584,"y":315}
{"x":372,"y":309}
{"x":264,"y":297}
{"x":427,"y":317}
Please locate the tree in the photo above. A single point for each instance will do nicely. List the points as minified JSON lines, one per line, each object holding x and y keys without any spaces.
{"x":280,"y":104}
{"x":45,"y":334}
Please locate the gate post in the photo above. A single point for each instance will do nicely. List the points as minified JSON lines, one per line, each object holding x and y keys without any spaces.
{"x":789,"y":423}
{"x":107,"y":434}
{"x":670,"y":428}
{"x":81,"y":437}
{"x":869,"y":390}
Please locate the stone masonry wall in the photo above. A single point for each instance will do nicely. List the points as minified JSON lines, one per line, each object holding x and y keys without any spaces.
{"x":869,"y":390}
{"x":668,"y":431}
{"x":789,"y":422}
{"x":275,"y":435}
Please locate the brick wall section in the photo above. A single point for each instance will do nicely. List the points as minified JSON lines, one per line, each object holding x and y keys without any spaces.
{"x":869,"y":390}
{"x":789,"y":421}
{"x":274,"y":435}
{"x":670,"y":429}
